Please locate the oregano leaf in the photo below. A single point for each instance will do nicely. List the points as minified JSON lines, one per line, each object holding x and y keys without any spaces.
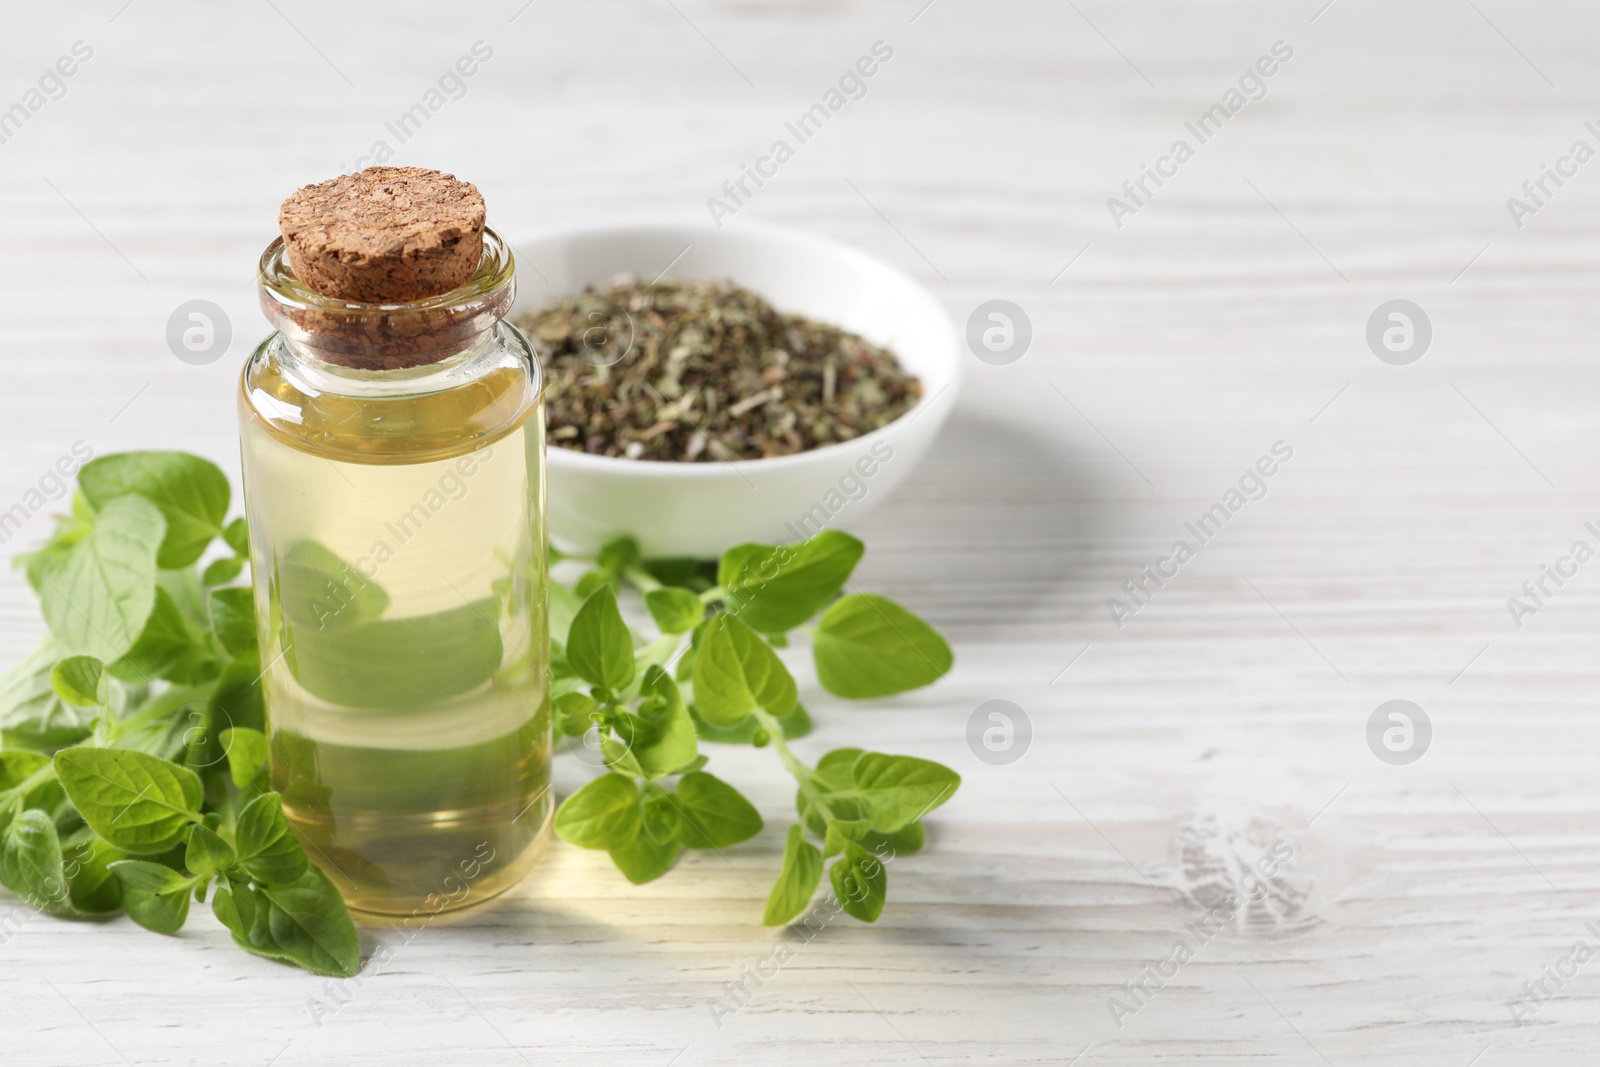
{"x":737,"y":672}
{"x":868,"y":646}
{"x":600,"y":646}
{"x":97,"y":596}
{"x":797,"y":881}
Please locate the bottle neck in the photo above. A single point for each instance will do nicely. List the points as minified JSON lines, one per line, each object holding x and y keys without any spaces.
{"x":318,"y":370}
{"x":327,"y":335}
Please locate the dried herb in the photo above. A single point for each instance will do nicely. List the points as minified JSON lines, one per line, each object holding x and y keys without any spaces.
{"x":704,"y":371}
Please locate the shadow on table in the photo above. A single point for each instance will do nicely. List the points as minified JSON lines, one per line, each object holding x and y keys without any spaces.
{"x":1009,"y":517}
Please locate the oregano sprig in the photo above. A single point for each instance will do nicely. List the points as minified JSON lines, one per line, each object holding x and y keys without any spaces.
{"x":724,"y":626}
{"x":132,"y":762}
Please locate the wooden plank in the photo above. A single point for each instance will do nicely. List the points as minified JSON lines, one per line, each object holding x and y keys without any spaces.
{"x":1226,"y":314}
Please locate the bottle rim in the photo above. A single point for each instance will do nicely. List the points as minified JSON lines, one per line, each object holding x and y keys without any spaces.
{"x":276,"y":275}
{"x":387,"y":337}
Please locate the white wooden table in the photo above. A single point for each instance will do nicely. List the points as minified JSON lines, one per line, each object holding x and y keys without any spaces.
{"x":1228,"y":312}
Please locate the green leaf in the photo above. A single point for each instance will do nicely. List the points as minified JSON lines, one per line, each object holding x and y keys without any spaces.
{"x":835,"y":778}
{"x":184,"y":587}
{"x":18,"y":765}
{"x":600,"y":647}
{"x":869,"y":646}
{"x":644,"y":859}
{"x":320,"y":591}
{"x":687,"y":572}
{"x":247,"y":754}
{"x":31,"y":862}
{"x":98,"y":595}
{"x":168,"y":647}
{"x":797,"y":881}
{"x":841,"y":832}
{"x":267,"y":848}
{"x":675,"y":744}
{"x":663,"y":819}
{"x":222,"y":571}
{"x":561,"y":671}
{"x":590,"y":581}
{"x":836,"y":770}
{"x":394,"y":663}
{"x":175,"y":719}
{"x":618,"y":555}
{"x":155,"y":897}
{"x":715,"y":815}
{"x":676,"y":611}
{"x":208,"y":853}
{"x":634,"y":730}
{"x":693,"y":765}
{"x":684,"y":671}
{"x":897,"y":790}
{"x":138,"y":803}
{"x":68,"y":531}
{"x":191,"y":492}
{"x":31,"y":714}
{"x":237,"y":535}
{"x":233,"y":620}
{"x":80,"y":681}
{"x":736,"y":672}
{"x":574,"y":713}
{"x":775,"y":588}
{"x":304,"y":923}
{"x":902,"y":842}
{"x":236,"y":702}
{"x":603,"y":814}
{"x":860,"y":882}
{"x":795,"y":724}
{"x":564,"y":605}
{"x":839,"y":807}
{"x":95,"y":888}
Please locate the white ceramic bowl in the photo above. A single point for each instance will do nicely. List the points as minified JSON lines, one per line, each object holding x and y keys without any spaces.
{"x":701,"y":509}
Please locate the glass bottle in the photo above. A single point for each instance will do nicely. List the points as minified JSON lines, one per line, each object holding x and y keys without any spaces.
{"x":393,"y":463}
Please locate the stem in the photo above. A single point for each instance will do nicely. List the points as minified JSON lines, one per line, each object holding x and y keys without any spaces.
{"x":660,"y":650}
{"x":656,"y":654}
{"x":163,"y":705}
{"x":32,"y":782}
{"x":641,"y":580}
{"x":716,"y":592}
{"x":801,"y":773}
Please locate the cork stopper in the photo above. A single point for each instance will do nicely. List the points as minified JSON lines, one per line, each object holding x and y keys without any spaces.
{"x":387,"y":235}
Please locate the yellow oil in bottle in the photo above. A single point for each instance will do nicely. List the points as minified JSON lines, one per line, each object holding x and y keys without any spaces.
{"x":397,"y":526}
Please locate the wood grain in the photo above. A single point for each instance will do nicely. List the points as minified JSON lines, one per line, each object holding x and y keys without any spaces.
{"x":1227,"y":314}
